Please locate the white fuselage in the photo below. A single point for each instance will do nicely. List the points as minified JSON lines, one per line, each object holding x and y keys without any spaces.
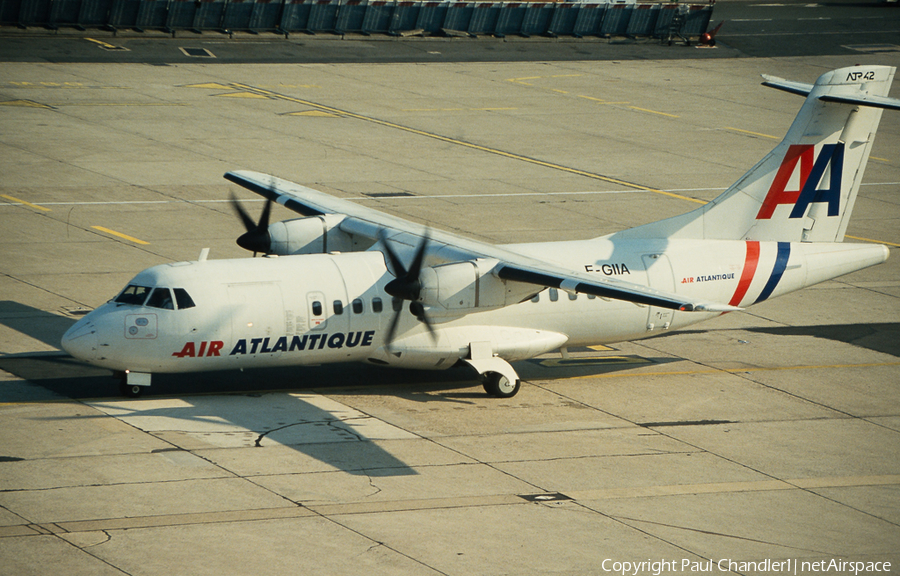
{"x":320,"y":308}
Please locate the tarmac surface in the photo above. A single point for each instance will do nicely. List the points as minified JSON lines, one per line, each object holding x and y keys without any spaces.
{"x":763,"y":436}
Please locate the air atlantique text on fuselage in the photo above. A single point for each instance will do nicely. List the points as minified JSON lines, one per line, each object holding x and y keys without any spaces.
{"x":296,"y":343}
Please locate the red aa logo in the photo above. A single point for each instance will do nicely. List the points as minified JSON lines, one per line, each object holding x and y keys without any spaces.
{"x":811,"y":172}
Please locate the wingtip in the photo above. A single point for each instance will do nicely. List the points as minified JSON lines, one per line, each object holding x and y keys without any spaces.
{"x":716,"y":308}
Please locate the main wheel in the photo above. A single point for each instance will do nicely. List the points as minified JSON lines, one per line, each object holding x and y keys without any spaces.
{"x":499,"y":386}
{"x":130,"y":390}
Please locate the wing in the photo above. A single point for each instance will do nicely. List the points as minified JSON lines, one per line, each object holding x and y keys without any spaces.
{"x":448,"y":247}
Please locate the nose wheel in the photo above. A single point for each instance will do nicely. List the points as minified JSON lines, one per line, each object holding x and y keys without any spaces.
{"x":132,"y":384}
{"x":130,"y":390}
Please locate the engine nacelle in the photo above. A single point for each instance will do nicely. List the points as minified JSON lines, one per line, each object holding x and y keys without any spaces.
{"x":314,"y":235}
{"x":453,"y":290}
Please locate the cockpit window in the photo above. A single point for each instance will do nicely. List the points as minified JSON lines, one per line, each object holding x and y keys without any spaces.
{"x":183,"y":298}
{"x":161,"y":298}
{"x":133,"y":294}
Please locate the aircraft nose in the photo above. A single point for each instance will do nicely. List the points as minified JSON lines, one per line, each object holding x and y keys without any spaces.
{"x":81,"y":341}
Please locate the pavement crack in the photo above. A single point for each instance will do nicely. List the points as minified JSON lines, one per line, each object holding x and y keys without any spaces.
{"x":108,"y":538}
{"x":347,"y":429}
{"x":375,"y":545}
{"x":259,"y":438}
{"x":374,"y":486}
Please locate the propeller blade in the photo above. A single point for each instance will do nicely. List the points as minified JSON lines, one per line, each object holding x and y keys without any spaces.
{"x":264,"y":217}
{"x":249,"y":224}
{"x":406,"y":286}
{"x":418,"y":310}
{"x":416,"y":267}
{"x":396,"y":264}
{"x":256,"y":238}
{"x":392,"y":329}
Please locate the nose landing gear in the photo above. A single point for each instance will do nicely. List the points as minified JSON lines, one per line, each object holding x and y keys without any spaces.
{"x":132,"y":384}
{"x":130,"y":390}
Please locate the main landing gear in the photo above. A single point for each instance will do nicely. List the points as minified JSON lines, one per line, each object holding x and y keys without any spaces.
{"x":498,"y":377}
{"x":499,"y":385}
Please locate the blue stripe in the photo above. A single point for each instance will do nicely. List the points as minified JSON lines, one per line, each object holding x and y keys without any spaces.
{"x":781,"y":260}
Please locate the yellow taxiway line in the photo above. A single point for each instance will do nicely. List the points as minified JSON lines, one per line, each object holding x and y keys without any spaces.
{"x":654,"y":112}
{"x":120,"y":235}
{"x":100,"y":42}
{"x":751,"y":133}
{"x":23,"y":202}
{"x":870,"y":240}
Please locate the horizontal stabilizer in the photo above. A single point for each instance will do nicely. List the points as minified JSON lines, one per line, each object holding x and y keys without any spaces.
{"x":802,"y":89}
{"x":799,"y":88}
{"x":873,"y":101}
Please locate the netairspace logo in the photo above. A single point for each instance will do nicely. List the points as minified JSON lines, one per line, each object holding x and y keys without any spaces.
{"x":789,"y":566}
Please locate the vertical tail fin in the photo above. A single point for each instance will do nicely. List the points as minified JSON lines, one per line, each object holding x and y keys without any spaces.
{"x":804,"y":189}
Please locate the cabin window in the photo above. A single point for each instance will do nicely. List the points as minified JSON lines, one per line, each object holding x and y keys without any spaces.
{"x":573,"y":296}
{"x":537,"y":298}
{"x":338,"y":307}
{"x":396,"y":304}
{"x":317,"y":308}
{"x":591,"y":296}
{"x":376,"y":305}
{"x":161,"y":298}
{"x":357,"y":306}
{"x":133,"y":294}
{"x":182,"y":298}
{"x":554,"y":294}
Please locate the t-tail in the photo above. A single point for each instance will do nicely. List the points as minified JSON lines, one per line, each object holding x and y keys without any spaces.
{"x":804,"y":189}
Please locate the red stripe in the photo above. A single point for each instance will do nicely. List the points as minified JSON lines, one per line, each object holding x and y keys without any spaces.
{"x":750,"y":262}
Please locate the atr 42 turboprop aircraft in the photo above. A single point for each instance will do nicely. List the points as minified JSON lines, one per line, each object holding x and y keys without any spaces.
{"x":355,"y":284}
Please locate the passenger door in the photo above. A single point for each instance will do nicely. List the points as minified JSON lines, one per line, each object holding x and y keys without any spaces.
{"x":659,"y":276}
{"x":257,"y":313}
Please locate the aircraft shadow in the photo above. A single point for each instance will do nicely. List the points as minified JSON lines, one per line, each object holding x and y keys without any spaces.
{"x":324,"y":430}
{"x":38,"y":324}
{"x":239,"y":409}
{"x":880,"y":337}
{"x":245,"y":402}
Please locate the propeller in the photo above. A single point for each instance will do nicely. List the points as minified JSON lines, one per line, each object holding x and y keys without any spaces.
{"x":256,"y":238}
{"x":406,"y":286}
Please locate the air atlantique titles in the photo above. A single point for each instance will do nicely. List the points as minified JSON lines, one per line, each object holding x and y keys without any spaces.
{"x":282,"y":344}
{"x":713,"y":278}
